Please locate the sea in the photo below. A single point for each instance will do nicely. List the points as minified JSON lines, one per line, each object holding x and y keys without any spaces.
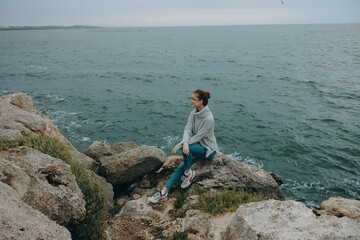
{"x":285,"y":98}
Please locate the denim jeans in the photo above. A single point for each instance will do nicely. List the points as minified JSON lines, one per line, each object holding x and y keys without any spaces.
{"x":198,"y":152}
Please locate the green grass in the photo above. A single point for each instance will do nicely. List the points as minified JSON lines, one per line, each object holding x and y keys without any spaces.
{"x":180,"y":199}
{"x":179,"y":236}
{"x":94,"y":224}
{"x":180,"y":213}
{"x":215,"y":202}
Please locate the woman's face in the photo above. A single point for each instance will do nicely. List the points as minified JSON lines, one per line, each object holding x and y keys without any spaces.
{"x":195,"y":102}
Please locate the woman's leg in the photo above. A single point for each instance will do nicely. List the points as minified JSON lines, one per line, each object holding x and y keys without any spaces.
{"x":174,"y":177}
{"x":198,"y":152}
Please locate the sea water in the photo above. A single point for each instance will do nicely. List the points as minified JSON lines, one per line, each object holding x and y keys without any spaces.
{"x":286,"y":98}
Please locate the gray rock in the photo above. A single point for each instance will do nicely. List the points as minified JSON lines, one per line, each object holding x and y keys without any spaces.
{"x":341,"y":207}
{"x":274,"y":219}
{"x":88,"y":162}
{"x":20,"y":221}
{"x":11,"y":134}
{"x":224,"y":172}
{"x":122,"y":147}
{"x":43,"y":182}
{"x":108,"y":190}
{"x":20,"y":100}
{"x":171,"y":163}
{"x":196,"y":222}
{"x":99,"y":149}
{"x":141,"y":209}
{"x":132,"y":164}
{"x":26,"y":120}
{"x":277,"y":178}
{"x":19,"y":117}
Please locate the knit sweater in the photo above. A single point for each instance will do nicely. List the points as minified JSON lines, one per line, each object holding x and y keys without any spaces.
{"x":200,"y":130}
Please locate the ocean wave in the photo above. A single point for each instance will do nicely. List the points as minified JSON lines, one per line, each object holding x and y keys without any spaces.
{"x":248,"y":160}
{"x":61,"y":116}
{"x":169,"y":142}
{"x":38,"y":67}
{"x":85,"y":139}
{"x":73,"y":125}
{"x":5,"y":92}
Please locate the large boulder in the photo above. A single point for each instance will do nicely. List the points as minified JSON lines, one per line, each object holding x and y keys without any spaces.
{"x":19,"y":113}
{"x":20,"y":100}
{"x":129,"y":165}
{"x":341,"y":207}
{"x":19,"y":117}
{"x":224,"y":172}
{"x":88,"y":162}
{"x":107,"y":188}
{"x":274,"y":219}
{"x":20,"y":221}
{"x":43,"y":182}
{"x":99,"y":149}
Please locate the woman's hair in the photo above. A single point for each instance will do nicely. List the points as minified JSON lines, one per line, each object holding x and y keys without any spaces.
{"x":202,"y":95}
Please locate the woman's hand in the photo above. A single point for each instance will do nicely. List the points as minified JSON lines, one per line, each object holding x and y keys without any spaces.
{"x":173,"y":151}
{"x":186,"y":149}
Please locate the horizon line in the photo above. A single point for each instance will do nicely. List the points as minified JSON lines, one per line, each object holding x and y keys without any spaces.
{"x":195,"y":25}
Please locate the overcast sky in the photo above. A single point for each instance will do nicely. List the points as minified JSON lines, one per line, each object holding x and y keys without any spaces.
{"x":175,"y":13}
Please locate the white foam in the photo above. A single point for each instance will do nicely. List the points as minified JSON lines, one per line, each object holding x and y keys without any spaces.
{"x":170,"y":141}
{"x":248,"y":160}
{"x":85,"y":139}
{"x":38,"y":67}
{"x":57,"y":98}
{"x":59,"y":115}
{"x":293,"y":184}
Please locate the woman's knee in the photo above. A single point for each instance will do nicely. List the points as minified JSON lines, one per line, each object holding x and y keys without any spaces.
{"x":198,"y":151}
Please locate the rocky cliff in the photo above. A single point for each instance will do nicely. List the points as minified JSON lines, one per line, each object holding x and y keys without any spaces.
{"x":40,"y":195}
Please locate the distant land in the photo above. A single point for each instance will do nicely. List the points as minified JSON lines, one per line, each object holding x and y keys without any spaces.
{"x":45,"y":27}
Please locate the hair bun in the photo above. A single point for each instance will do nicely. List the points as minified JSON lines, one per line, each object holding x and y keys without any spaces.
{"x":207,"y":94}
{"x":203,"y":95}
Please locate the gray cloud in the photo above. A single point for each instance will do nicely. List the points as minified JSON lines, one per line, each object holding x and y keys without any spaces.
{"x":170,"y":12}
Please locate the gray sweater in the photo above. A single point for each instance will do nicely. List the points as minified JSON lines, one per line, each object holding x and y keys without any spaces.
{"x":200,"y":130}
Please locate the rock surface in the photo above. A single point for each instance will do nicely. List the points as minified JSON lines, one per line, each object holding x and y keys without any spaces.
{"x":20,"y":100}
{"x":132,"y":164}
{"x":341,"y":207}
{"x":20,"y":221}
{"x":19,"y":117}
{"x":224,"y":172}
{"x":99,"y":149}
{"x":26,"y":119}
{"x":43,"y":182}
{"x":287,"y":220}
{"x":271,"y":219}
{"x":108,"y":190}
{"x":157,"y":220}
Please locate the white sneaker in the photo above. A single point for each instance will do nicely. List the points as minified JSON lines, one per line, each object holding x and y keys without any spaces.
{"x":182,"y":177}
{"x":187,"y":180}
{"x":157,"y":198}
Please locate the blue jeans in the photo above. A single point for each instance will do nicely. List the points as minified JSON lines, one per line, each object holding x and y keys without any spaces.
{"x":198,"y":152}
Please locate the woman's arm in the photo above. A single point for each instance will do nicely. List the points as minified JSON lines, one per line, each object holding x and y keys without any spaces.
{"x":187,"y":131}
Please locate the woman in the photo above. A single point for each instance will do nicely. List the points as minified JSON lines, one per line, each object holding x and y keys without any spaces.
{"x":198,"y":142}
